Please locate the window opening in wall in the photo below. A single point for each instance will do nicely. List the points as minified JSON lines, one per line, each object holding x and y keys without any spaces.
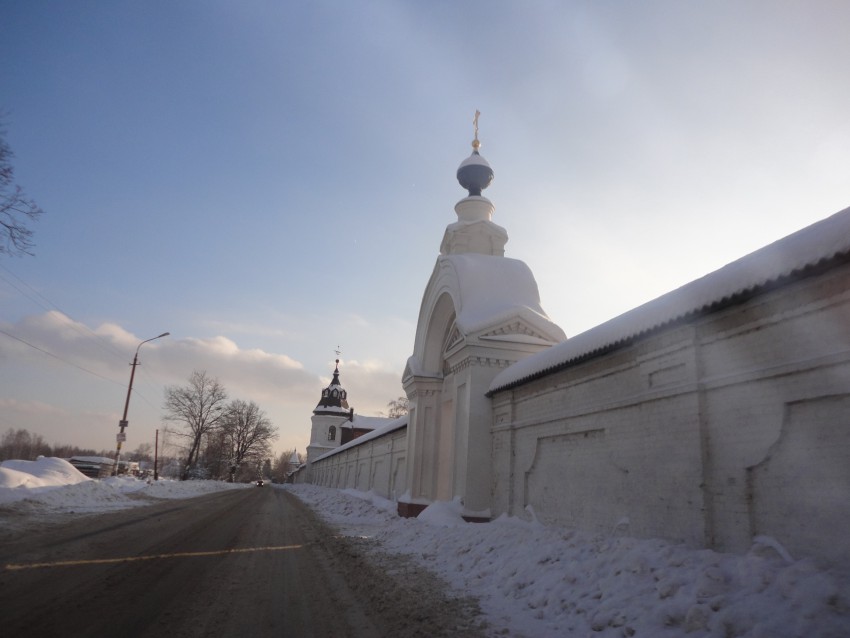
{"x":332,"y":433}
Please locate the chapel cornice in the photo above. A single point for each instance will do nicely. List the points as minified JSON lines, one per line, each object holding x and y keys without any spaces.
{"x":484,"y":362}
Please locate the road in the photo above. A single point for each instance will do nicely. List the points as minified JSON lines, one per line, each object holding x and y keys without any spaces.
{"x":248,"y":562}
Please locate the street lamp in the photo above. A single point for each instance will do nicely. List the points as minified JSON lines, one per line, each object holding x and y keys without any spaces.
{"x":123,"y":422}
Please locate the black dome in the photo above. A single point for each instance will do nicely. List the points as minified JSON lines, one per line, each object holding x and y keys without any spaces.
{"x":474,"y":174}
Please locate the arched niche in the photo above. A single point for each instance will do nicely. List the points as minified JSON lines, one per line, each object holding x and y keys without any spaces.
{"x":441,"y":321}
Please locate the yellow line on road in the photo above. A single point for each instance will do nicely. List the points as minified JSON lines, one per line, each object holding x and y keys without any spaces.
{"x":130,"y":559}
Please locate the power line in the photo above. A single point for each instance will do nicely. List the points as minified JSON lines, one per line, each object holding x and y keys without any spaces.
{"x":135,"y":391}
{"x":52,"y":306}
{"x":48,"y":305}
{"x":55,"y":356}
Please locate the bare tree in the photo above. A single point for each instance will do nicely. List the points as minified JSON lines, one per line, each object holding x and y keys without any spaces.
{"x":283,"y":465}
{"x":399,"y":407}
{"x":249,"y":432}
{"x":143,"y":453}
{"x":24,"y":445}
{"x":170,"y":452}
{"x":280,"y":466}
{"x":216,"y":454}
{"x":21,"y":444}
{"x":198,"y":408}
{"x":16,"y":210}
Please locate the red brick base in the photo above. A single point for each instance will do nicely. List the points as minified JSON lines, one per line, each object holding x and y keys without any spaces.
{"x":410,"y":510}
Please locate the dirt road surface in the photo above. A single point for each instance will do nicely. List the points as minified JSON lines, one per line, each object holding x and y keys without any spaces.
{"x":251,"y":562}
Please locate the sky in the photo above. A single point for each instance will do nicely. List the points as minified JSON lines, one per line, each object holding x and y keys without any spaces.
{"x":270,"y":182}
{"x":529,"y":579}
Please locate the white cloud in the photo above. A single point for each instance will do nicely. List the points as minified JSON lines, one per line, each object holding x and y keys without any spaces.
{"x":370,"y":385}
{"x":13,"y":408}
{"x":77,"y":395}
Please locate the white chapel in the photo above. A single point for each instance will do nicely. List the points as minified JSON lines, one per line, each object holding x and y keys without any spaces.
{"x":713,"y":415}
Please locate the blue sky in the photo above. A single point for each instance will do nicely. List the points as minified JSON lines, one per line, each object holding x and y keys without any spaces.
{"x":268,"y":181}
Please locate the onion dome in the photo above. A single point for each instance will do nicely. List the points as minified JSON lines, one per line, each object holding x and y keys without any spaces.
{"x":334,"y":398}
{"x":474,"y":173}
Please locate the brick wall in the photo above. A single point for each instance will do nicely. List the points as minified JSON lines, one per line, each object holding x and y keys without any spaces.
{"x":377,"y":464}
{"x":734,"y":425}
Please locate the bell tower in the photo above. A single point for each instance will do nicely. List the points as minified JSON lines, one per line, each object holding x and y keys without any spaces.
{"x":329,"y":415}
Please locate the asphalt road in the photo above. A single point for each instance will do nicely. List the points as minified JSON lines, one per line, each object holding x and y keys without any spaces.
{"x":249,"y":562}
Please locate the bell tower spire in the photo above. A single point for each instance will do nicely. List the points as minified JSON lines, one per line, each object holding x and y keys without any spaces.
{"x":329,"y":416}
{"x":334,"y":399}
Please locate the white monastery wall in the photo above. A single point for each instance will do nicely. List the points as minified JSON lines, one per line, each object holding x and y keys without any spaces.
{"x":732,"y":426}
{"x":378,"y":464}
{"x":585,"y":446}
{"x":780,"y":420}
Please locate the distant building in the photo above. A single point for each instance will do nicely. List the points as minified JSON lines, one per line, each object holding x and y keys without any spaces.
{"x":334,"y":422}
{"x":93,"y":466}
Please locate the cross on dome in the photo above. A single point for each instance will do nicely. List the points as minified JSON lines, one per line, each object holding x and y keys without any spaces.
{"x":474,"y":173}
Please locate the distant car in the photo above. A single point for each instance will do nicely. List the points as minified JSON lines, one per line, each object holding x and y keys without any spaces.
{"x":259,"y":482}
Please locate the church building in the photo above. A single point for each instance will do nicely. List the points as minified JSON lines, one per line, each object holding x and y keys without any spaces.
{"x":712,"y":415}
{"x":334,"y":422}
{"x":480,"y":313}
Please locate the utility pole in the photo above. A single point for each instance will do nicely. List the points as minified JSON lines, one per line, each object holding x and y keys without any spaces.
{"x":156,"y":456}
{"x":123,"y":422}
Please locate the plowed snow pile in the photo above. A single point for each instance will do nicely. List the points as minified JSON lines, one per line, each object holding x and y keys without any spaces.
{"x":53,"y":486}
{"x":536,"y":580}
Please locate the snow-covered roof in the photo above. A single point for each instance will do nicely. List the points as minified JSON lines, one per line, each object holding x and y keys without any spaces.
{"x":474,"y":159}
{"x":815,"y":246}
{"x":103,"y":460}
{"x":368,"y":422}
{"x":389,"y":425}
{"x":491,"y":288}
{"x":337,"y":410}
{"x":334,"y":399}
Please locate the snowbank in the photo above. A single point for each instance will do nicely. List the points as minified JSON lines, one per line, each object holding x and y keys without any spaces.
{"x":52,"y":485}
{"x":533,"y":580}
{"x":45,"y":472}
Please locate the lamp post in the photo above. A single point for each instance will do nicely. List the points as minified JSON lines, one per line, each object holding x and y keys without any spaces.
{"x":123,"y":422}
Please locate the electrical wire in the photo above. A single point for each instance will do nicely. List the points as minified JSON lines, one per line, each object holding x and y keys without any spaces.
{"x":86,"y":370}
{"x":46,"y":304}
{"x":56,"y":356}
{"x":49,"y":305}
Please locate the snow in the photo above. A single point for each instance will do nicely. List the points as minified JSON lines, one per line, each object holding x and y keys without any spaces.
{"x":493,"y":288}
{"x":367,"y":422}
{"x":384,"y":426}
{"x":51,"y":485}
{"x":474,"y":159}
{"x":530,"y":579}
{"x":45,"y":472}
{"x":534,"y":580}
{"x":807,"y":248}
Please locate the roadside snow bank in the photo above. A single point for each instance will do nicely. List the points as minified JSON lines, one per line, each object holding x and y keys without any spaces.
{"x":533,"y":580}
{"x":54,"y":486}
{"x":44,"y":472}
